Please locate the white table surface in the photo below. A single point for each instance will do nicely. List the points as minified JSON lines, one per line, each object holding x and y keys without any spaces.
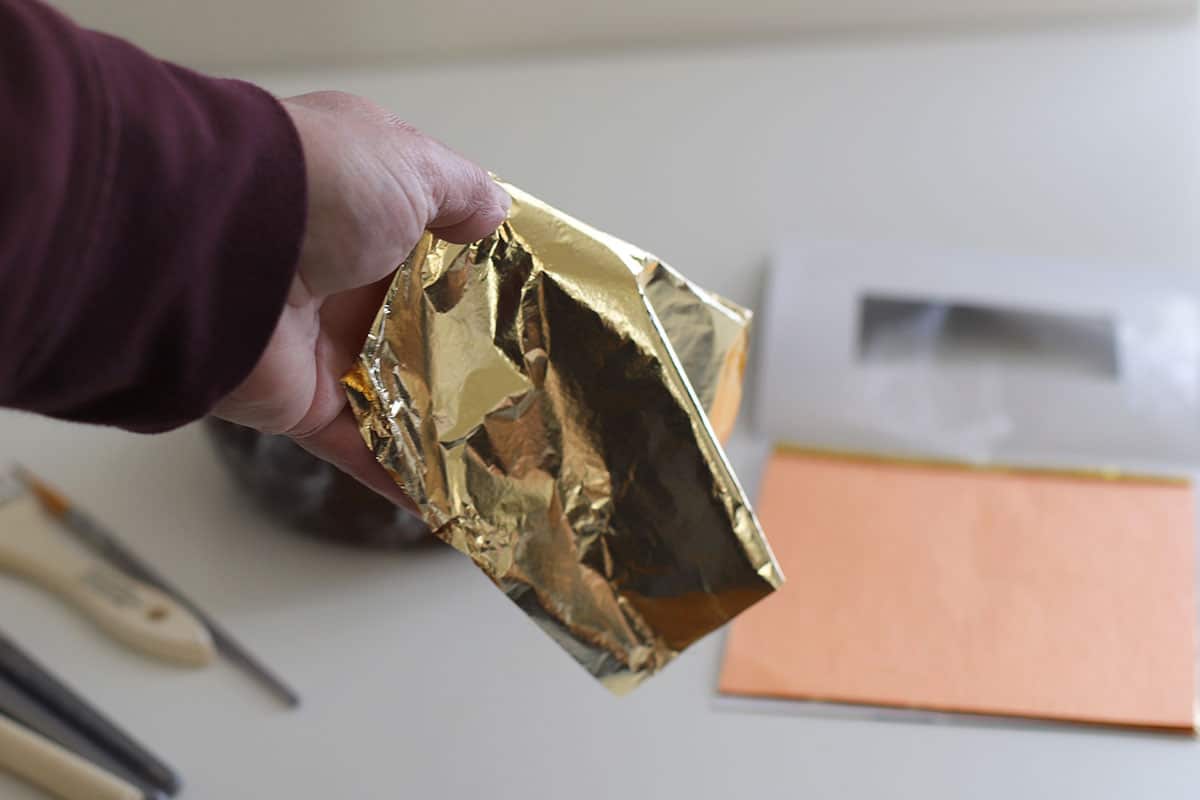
{"x":419,"y":679}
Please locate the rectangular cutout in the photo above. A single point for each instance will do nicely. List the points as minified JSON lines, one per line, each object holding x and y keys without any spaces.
{"x":896,"y":330}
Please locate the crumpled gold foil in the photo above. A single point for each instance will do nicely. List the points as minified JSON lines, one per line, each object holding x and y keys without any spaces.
{"x":529,"y":392}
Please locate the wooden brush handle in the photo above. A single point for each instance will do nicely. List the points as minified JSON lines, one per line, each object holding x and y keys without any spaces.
{"x":55,"y":769}
{"x":138,"y":615}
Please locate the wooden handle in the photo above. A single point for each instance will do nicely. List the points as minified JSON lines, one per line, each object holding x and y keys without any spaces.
{"x":138,"y":615}
{"x":55,"y":769}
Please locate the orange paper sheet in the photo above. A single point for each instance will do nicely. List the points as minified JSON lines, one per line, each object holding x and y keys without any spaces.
{"x":1022,"y":594}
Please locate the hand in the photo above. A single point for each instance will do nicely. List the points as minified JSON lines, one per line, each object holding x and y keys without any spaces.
{"x":375,"y":185}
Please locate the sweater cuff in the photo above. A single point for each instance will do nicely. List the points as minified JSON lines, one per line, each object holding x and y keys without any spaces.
{"x":151,"y":219}
{"x":204,"y":204}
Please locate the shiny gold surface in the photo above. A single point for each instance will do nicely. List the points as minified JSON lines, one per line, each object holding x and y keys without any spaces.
{"x":525,"y":390}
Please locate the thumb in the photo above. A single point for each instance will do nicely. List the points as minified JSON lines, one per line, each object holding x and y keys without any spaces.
{"x":375,"y":184}
{"x":464,"y":203}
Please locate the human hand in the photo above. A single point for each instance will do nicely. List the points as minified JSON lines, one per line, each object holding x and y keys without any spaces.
{"x":375,"y":185}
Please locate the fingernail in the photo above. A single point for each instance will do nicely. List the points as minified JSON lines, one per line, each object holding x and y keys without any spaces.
{"x":502,"y":198}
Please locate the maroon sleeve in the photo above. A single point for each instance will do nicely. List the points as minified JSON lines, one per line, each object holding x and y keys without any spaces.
{"x":150,"y":221}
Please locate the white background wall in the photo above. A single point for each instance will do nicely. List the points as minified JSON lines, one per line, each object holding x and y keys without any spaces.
{"x":1076,"y":140}
{"x":298,"y":32}
{"x":1076,"y":145}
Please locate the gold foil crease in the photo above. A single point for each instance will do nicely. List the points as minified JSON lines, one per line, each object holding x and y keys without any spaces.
{"x":541,"y":396}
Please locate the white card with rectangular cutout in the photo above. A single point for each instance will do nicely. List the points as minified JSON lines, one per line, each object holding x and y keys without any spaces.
{"x":975,"y":358}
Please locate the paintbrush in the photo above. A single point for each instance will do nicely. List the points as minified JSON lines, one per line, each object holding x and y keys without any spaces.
{"x":26,"y":710}
{"x":48,"y":765}
{"x":21,"y":671}
{"x":107,"y":544}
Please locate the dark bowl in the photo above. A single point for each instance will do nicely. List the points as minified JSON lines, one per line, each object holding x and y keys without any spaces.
{"x":310,"y":494}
